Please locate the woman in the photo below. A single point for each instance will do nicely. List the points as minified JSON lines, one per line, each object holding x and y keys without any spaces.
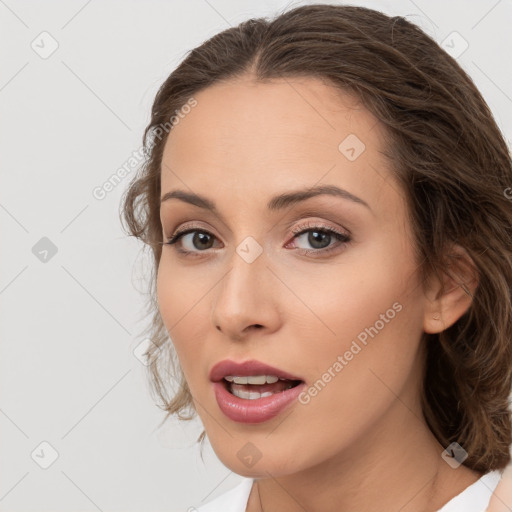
{"x":325,"y":199}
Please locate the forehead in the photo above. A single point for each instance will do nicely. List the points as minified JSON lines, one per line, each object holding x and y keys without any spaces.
{"x":299,"y":111}
{"x":267,"y":136}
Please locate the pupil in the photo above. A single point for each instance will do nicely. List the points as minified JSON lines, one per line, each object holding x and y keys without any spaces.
{"x":313,"y":241}
{"x":201,"y":237}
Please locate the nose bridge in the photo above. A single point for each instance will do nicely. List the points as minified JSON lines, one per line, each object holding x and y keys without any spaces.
{"x":245,"y":280}
{"x":244,"y":294}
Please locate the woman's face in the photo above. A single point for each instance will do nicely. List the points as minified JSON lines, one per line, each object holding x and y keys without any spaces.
{"x":276,"y":285}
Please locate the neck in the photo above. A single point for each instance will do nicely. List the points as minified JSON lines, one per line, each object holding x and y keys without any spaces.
{"x":396,"y":465}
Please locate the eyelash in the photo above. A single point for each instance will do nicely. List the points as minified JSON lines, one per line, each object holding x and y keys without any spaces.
{"x":343,"y":239}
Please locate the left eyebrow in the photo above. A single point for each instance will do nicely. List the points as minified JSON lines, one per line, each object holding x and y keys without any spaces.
{"x":276,"y":203}
{"x":284,"y":200}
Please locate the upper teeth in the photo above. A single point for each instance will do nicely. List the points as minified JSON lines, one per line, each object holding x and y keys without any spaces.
{"x":253,"y":379}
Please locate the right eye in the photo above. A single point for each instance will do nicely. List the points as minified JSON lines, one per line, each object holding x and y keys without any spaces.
{"x":198,"y":242}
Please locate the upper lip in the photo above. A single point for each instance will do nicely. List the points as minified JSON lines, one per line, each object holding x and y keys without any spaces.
{"x":246,"y":368}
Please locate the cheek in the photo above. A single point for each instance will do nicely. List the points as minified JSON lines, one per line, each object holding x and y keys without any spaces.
{"x":358,"y":376}
{"x":350,"y":296}
{"x":181,"y":304}
{"x":167,"y":286}
{"x":369,"y":313}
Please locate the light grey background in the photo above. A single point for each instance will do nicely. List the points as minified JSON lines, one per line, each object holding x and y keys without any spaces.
{"x":69,"y":324}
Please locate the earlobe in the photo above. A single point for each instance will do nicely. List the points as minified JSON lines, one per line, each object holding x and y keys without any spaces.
{"x":448,"y":300}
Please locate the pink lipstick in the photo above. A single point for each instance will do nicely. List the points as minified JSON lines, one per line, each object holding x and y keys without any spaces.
{"x":253,"y":392}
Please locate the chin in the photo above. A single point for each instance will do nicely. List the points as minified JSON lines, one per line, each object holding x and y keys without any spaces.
{"x":247,"y":460}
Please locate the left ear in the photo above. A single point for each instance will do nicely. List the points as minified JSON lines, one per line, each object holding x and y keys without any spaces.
{"x":449,"y":300}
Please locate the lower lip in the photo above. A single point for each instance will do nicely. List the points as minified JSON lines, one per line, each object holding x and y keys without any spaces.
{"x":254,"y":411}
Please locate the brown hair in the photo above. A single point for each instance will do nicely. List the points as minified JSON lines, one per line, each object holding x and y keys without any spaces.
{"x":449,"y":157}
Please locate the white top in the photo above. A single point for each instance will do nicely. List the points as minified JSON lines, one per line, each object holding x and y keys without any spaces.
{"x":474,"y":498}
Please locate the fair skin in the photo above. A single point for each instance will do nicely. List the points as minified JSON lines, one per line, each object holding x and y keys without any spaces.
{"x":362,"y":442}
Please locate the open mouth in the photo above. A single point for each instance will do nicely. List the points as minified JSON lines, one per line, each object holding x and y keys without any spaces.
{"x":260,"y":386}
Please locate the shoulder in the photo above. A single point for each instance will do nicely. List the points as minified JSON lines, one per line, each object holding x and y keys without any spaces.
{"x":234,"y":500}
{"x":476,"y":497}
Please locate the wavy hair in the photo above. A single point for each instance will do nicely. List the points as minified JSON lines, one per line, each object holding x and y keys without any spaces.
{"x":447,"y":154}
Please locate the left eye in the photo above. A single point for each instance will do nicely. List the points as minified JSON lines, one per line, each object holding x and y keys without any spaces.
{"x":320,"y":238}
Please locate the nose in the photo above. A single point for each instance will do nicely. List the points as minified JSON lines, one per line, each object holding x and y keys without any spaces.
{"x":247,"y":299}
